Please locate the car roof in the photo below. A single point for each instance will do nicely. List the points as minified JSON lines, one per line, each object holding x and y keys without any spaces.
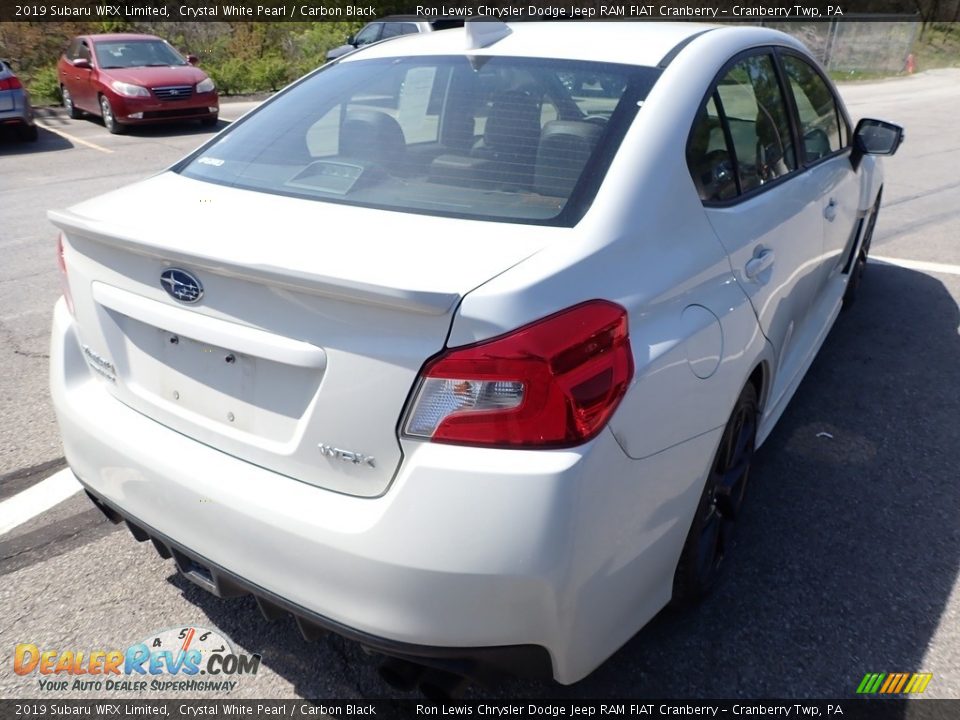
{"x":120,"y":37}
{"x":631,"y":43}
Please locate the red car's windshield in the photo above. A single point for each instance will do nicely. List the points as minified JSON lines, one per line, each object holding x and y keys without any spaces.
{"x":136,"y":53}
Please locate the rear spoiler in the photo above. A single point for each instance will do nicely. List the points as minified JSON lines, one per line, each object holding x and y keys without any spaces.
{"x":416,"y":301}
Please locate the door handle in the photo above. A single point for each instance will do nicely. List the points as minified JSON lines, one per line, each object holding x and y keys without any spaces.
{"x":758,"y":264}
{"x":830,"y":211}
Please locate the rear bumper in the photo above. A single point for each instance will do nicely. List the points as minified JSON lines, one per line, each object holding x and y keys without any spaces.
{"x":522,"y":660}
{"x":469,"y":550}
{"x":17,"y":111}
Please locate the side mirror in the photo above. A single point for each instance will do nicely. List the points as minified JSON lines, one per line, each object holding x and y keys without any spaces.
{"x":876,"y":137}
{"x":352,"y":40}
{"x":81,"y":64}
{"x":193,"y":59}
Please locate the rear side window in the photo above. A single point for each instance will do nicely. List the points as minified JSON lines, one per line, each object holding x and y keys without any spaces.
{"x":820,"y":120}
{"x":394,"y":29}
{"x":708,"y":156}
{"x":741,"y":138}
{"x":369,"y":34}
{"x":756,"y":114}
{"x":510,"y":139}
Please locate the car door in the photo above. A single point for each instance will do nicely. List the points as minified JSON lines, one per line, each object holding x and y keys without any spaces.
{"x":824,"y":144}
{"x":82,"y":89}
{"x":764,"y":211}
{"x":68,"y":74}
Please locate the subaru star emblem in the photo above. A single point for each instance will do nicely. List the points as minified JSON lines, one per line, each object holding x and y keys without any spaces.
{"x":181,"y":285}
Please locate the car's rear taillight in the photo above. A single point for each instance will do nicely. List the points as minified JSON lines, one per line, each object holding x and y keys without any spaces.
{"x":10,"y":83}
{"x":64,"y":281}
{"x":553,"y":383}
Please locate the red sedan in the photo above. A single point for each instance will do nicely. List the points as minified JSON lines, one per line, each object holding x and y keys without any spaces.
{"x":134,"y":79}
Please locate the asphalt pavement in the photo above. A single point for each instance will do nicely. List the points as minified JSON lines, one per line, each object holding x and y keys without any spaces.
{"x":848,"y":555}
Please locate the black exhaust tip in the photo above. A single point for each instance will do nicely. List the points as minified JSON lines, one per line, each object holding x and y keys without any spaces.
{"x":400,"y":674}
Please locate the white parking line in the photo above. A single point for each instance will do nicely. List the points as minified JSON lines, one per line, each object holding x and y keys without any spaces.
{"x":921,"y":265}
{"x":73,"y":138}
{"x":37,"y":499}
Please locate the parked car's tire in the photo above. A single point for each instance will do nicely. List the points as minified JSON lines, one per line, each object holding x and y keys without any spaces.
{"x":860,"y":265}
{"x":109,"y":119}
{"x":721,"y":502}
{"x":27,"y":133}
{"x":210,"y":121}
{"x":72,"y":110}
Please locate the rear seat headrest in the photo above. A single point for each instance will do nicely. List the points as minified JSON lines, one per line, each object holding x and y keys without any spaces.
{"x":565,"y":146}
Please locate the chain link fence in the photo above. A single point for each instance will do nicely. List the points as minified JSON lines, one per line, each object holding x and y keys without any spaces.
{"x":861,"y":46}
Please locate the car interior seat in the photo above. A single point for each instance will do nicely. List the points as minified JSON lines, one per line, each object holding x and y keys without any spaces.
{"x":565,"y":147}
{"x":373,"y":137}
{"x":505,"y":156}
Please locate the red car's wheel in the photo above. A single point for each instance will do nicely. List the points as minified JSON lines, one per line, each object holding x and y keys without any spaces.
{"x":109,"y":119}
{"x":72,"y":110}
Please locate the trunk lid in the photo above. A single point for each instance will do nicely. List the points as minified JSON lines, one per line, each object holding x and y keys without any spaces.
{"x":314,"y":321}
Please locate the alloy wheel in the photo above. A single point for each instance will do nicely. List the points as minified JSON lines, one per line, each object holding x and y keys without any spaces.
{"x":109,"y":119}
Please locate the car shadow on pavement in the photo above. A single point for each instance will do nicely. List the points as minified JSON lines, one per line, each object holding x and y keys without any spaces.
{"x":847,"y":553}
{"x":177,"y":129}
{"x":46,"y":141}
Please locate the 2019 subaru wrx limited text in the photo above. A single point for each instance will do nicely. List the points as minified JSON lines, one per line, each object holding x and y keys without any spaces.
{"x":461,"y":345}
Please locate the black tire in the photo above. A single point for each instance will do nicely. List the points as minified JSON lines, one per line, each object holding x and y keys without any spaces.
{"x":860,"y":264}
{"x":210,"y":121}
{"x":27,"y":133}
{"x":712,"y":531}
{"x":109,"y":119}
{"x":68,"y":103}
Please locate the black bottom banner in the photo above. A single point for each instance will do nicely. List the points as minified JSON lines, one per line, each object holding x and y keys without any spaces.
{"x":728,"y":709}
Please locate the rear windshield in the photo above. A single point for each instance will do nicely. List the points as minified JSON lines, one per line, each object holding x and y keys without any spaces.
{"x":510,"y":139}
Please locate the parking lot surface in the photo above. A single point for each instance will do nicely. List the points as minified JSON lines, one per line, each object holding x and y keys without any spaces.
{"x":848,"y":557}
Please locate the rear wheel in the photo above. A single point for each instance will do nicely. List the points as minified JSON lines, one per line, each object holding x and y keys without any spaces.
{"x":860,"y":265}
{"x":68,"y":103}
{"x":109,"y":119}
{"x":711,"y":534}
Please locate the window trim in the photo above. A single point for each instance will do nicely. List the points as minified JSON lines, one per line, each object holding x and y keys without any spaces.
{"x":771,"y":52}
{"x":842,"y":115}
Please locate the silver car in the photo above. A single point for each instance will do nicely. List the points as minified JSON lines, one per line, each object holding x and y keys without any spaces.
{"x":15,"y":107}
{"x":390,"y":27}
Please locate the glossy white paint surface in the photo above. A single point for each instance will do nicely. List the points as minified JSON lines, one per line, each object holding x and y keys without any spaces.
{"x":434,"y":544}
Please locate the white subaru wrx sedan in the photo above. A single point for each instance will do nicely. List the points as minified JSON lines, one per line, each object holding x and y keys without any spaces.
{"x":461,"y":345}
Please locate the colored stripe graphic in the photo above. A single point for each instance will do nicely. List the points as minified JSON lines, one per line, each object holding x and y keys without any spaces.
{"x":923,"y":682}
{"x":870,"y":683}
{"x":894,"y":683}
{"x":891,"y":680}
